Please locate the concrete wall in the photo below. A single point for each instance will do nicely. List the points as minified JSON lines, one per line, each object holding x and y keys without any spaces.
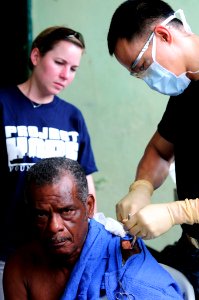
{"x":121,"y":112}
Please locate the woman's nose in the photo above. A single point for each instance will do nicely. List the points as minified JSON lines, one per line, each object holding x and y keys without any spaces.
{"x":65,"y":72}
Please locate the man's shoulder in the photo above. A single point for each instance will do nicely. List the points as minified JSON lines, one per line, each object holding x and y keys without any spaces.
{"x":25,"y":256}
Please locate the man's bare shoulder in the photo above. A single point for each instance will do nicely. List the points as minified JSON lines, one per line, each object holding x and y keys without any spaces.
{"x":24,"y":259}
{"x":32,"y":274}
{"x":26,"y":254}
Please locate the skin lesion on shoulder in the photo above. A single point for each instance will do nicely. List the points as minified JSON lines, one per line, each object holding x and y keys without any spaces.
{"x":128,"y":250}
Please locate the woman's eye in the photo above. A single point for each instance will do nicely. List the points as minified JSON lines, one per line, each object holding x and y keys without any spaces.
{"x":74,"y":69}
{"x":59,"y":62}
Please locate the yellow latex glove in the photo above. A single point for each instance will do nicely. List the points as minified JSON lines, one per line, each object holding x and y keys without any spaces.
{"x":139,"y":195}
{"x":155,"y":219}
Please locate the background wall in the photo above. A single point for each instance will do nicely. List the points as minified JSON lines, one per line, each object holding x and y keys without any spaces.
{"x":121,"y":112}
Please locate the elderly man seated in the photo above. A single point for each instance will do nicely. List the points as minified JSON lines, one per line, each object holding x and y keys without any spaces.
{"x":73,"y":256}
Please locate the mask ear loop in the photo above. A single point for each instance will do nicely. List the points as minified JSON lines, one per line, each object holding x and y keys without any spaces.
{"x":182,"y":17}
{"x":154,"y":48}
{"x":166,"y":21}
{"x":185,"y":24}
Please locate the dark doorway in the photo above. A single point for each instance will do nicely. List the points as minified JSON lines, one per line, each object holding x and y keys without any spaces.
{"x":15,"y":38}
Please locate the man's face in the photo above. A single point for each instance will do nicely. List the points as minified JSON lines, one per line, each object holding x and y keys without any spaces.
{"x":167,"y":53}
{"x":126,"y":53}
{"x":60,"y":218}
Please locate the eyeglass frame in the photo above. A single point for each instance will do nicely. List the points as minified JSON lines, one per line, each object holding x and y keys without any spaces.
{"x":146,"y":45}
{"x":138,"y":58}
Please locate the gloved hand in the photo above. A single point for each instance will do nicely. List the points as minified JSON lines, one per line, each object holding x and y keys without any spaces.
{"x":155,"y":219}
{"x":139,"y":195}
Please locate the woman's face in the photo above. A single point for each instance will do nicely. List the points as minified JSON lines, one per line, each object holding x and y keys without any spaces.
{"x":57,"y":68}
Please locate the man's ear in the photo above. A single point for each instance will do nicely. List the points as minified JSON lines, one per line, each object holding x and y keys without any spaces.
{"x":163,"y":33}
{"x":90,"y":205}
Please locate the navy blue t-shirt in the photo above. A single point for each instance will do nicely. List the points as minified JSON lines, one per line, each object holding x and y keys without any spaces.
{"x":29,"y":133}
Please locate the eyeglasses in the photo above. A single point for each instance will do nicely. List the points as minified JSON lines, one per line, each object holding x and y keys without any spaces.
{"x":138,"y":58}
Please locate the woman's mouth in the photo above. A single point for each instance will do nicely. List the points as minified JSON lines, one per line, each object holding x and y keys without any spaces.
{"x":59,"y":85}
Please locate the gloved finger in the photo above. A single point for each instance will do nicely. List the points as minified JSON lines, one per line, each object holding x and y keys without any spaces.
{"x":129,"y":222}
{"x":148,"y":236}
{"x":122,"y":211}
{"x":124,"y":221}
{"x":145,"y":234}
{"x":119,"y":213}
{"x":119,"y":216}
{"x":134,"y":230}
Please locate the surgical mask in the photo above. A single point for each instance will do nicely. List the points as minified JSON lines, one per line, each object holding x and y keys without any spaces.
{"x":161,"y":79}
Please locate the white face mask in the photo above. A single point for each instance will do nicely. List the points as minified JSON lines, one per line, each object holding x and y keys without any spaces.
{"x":161,"y":79}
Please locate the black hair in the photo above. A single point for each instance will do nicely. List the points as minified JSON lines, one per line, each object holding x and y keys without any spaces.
{"x":134,"y":17}
{"x":50,"y":170}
